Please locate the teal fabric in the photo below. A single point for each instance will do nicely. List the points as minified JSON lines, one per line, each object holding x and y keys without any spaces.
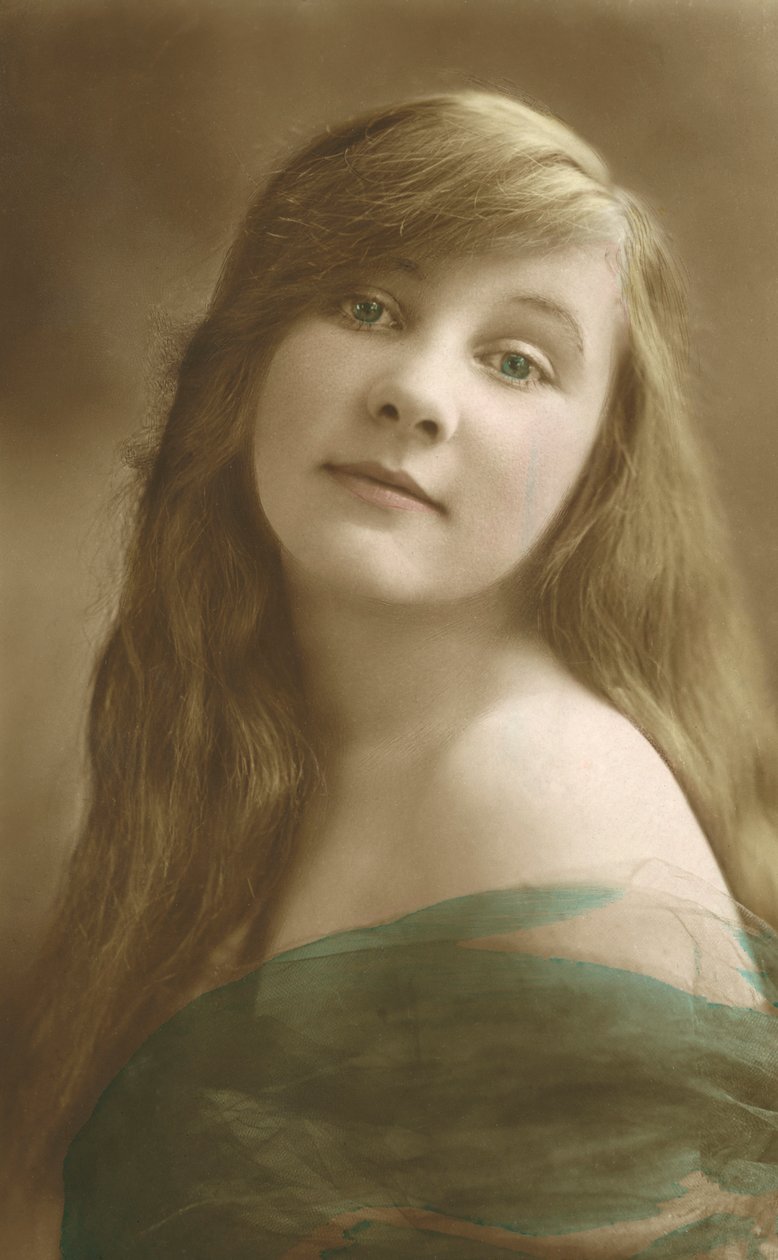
{"x":453,"y":1084}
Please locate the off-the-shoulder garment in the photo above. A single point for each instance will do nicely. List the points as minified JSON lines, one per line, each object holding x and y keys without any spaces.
{"x":573,"y":1071}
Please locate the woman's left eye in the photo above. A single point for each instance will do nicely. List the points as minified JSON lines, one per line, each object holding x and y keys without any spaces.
{"x":518,"y":368}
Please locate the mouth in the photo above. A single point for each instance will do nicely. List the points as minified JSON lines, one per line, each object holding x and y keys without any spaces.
{"x":383,"y":487}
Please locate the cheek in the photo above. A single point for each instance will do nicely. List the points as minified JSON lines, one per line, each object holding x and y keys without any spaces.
{"x":527,"y":480}
{"x":556,"y":468}
{"x":306,"y":390}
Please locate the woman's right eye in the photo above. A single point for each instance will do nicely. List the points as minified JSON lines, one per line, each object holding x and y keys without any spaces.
{"x":366,"y":312}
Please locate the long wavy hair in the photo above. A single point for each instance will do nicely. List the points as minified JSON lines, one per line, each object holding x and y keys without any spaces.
{"x":201,"y":758}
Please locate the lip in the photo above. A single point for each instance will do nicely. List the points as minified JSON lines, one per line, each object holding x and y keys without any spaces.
{"x":386,"y":487}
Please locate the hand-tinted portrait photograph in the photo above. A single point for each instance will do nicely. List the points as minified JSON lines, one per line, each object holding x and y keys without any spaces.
{"x":390,"y":743}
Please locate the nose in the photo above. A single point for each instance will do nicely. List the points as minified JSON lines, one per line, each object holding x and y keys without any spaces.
{"x":412,"y":397}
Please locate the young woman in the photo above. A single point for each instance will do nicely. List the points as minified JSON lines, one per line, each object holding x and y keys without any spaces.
{"x":430,"y":711}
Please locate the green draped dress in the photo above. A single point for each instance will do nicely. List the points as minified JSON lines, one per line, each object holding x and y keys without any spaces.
{"x":588,"y":1069}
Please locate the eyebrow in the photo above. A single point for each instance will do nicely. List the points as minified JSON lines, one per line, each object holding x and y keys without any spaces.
{"x":549,"y":307}
{"x":406,"y":264}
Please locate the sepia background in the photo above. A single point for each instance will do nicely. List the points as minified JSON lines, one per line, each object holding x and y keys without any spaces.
{"x":133,"y":132}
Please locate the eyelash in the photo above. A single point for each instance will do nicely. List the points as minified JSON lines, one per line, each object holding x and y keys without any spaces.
{"x":345,"y":309}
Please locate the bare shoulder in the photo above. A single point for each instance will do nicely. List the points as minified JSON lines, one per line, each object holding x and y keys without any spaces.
{"x":556,"y":786}
{"x":557,"y":781}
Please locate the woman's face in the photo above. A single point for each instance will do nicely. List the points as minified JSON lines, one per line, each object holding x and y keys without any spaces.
{"x":483,"y":379}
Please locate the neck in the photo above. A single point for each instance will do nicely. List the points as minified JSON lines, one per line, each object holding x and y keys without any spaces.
{"x":380,"y":677}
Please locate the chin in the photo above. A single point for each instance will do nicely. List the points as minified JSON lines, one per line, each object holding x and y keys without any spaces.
{"x":358,"y":579}
{"x":352,"y":580}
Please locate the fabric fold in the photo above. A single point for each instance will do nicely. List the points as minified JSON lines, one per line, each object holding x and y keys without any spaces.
{"x":586,"y":1069}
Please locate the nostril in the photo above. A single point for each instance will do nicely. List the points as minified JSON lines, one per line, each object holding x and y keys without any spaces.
{"x":395,"y":413}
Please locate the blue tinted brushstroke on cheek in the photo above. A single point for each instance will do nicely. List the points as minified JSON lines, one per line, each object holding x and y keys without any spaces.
{"x":529,"y":495}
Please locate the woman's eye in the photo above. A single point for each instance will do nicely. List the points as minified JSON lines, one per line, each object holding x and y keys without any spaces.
{"x":366,"y":312}
{"x":516,"y":366}
{"x":519,"y":369}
